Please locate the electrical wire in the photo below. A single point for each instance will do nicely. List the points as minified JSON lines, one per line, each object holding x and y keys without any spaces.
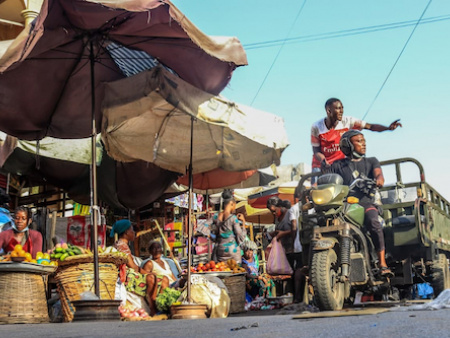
{"x":344,"y":33}
{"x":278,"y":54}
{"x":396,"y":61}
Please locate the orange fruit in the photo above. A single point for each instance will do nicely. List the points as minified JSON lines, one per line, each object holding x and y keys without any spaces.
{"x":21,"y":253}
{"x":28,"y":257}
{"x":39,"y":255}
{"x":14,"y":254}
{"x":46,"y":256}
{"x":33,"y":261}
{"x":18,"y":247}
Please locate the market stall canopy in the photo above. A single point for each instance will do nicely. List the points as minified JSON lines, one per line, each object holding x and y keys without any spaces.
{"x":218,"y":179}
{"x":259,"y":199}
{"x":285,"y":192}
{"x":45,"y":81}
{"x":65,"y":164}
{"x":255,"y":215}
{"x":148,"y":117}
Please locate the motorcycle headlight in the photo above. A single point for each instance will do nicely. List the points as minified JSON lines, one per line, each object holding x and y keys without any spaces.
{"x":323,"y":196}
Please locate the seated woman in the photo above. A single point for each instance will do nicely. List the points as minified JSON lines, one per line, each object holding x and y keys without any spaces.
{"x":159,"y":266}
{"x":257,"y":284}
{"x":137,"y":281}
{"x":31,"y":240}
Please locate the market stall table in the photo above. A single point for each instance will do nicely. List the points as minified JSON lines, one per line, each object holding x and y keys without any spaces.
{"x":22,"y":293}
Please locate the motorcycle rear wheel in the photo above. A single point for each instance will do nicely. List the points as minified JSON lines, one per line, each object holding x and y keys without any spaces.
{"x":328,"y":291}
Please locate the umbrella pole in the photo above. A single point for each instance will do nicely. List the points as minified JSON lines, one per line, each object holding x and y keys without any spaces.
{"x":94,"y":207}
{"x":190,"y":216}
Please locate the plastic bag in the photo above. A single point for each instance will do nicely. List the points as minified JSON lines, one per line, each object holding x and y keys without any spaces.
{"x":88,"y":295}
{"x":277,"y":263}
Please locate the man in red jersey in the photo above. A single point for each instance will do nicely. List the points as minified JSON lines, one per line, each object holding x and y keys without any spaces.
{"x":326,"y":133}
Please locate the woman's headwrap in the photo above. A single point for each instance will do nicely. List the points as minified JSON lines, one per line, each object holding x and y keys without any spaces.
{"x":248,"y":245}
{"x":120,"y":227}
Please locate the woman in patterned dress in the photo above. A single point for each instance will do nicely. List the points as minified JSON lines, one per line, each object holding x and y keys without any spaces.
{"x":228,"y":230}
{"x":136,"y":279}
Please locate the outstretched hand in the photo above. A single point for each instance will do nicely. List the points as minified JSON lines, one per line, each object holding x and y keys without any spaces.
{"x":394,"y":125}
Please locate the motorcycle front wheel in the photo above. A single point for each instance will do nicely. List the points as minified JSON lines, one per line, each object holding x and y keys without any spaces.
{"x":328,"y":290}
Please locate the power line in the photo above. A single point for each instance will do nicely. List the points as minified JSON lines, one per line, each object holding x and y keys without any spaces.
{"x":396,"y":61}
{"x":279,"y":51}
{"x":343,"y":33}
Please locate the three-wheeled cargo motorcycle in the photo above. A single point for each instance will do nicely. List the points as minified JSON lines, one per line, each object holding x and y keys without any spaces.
{"x":341,"y":255}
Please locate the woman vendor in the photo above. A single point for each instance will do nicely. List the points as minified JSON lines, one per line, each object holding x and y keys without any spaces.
{"x":228,"y":230}
{"x":159,"y":266}
{"x":257,"y":284}
{"x":283,"y":229}
{"x":31,"y":240}
{"x":137,"y":280}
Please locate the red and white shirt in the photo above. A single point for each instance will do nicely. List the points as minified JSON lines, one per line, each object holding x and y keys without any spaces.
{"x":328,"y":139}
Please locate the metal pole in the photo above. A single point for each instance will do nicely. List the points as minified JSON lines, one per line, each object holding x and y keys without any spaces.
{"x":94,"y":207}
{"x":8,"y":182}
{"x":189,"y":216}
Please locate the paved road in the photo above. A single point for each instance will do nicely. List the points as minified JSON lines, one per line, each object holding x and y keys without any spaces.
{"x":389,"y":324}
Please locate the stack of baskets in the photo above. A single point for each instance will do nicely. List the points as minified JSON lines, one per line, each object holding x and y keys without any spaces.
{"x":76,"y":275}
{"x":22,"y":298}
{"x":236,"y":291}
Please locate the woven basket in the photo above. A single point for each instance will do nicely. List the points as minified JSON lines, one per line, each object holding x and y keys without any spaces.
{"x":116,"y":258}
{"x":22,"y":298}
{"x":236,"y":292}
{"x":73,"y":280}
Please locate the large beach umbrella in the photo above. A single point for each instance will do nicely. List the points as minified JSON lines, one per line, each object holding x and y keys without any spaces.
{"x":65,"y":163}
{"x":52,"y":75}
{"x":46,"y":73}
{"x":149,"y":117}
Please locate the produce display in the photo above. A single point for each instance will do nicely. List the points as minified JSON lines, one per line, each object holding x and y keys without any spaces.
{"x":130,"y":311}
{"x":20,"y":255}
{"x":228,"y":266}
{"x":166,"y":299}
{"x":63,"y":250}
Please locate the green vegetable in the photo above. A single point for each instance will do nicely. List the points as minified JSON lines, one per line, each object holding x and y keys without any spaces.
{"x":165,"y":299}
{"x":64,"y":256}
{"x":57,"y":250}
{"x":58,"y":255}
{"x":77,"y":251}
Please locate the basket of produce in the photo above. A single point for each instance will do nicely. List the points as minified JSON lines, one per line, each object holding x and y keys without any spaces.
{"x":22,"y":298}
{"x":232,"y":275}
{"x":72,"y":280}
{"x":67,"y":254}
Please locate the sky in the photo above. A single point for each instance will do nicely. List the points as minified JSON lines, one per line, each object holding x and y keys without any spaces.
{"x":329,"y":51}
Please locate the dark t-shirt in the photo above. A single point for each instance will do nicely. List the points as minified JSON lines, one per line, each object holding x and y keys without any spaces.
{"x":351,"y":170}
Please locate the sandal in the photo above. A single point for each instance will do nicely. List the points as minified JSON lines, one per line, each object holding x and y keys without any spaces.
{"x":386,"y":272}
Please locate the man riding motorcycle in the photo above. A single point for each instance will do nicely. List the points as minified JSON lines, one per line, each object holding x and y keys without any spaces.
{"x":355,"y":166}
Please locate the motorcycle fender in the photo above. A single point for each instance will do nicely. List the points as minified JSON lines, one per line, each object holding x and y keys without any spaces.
{"x":325,"y":244}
